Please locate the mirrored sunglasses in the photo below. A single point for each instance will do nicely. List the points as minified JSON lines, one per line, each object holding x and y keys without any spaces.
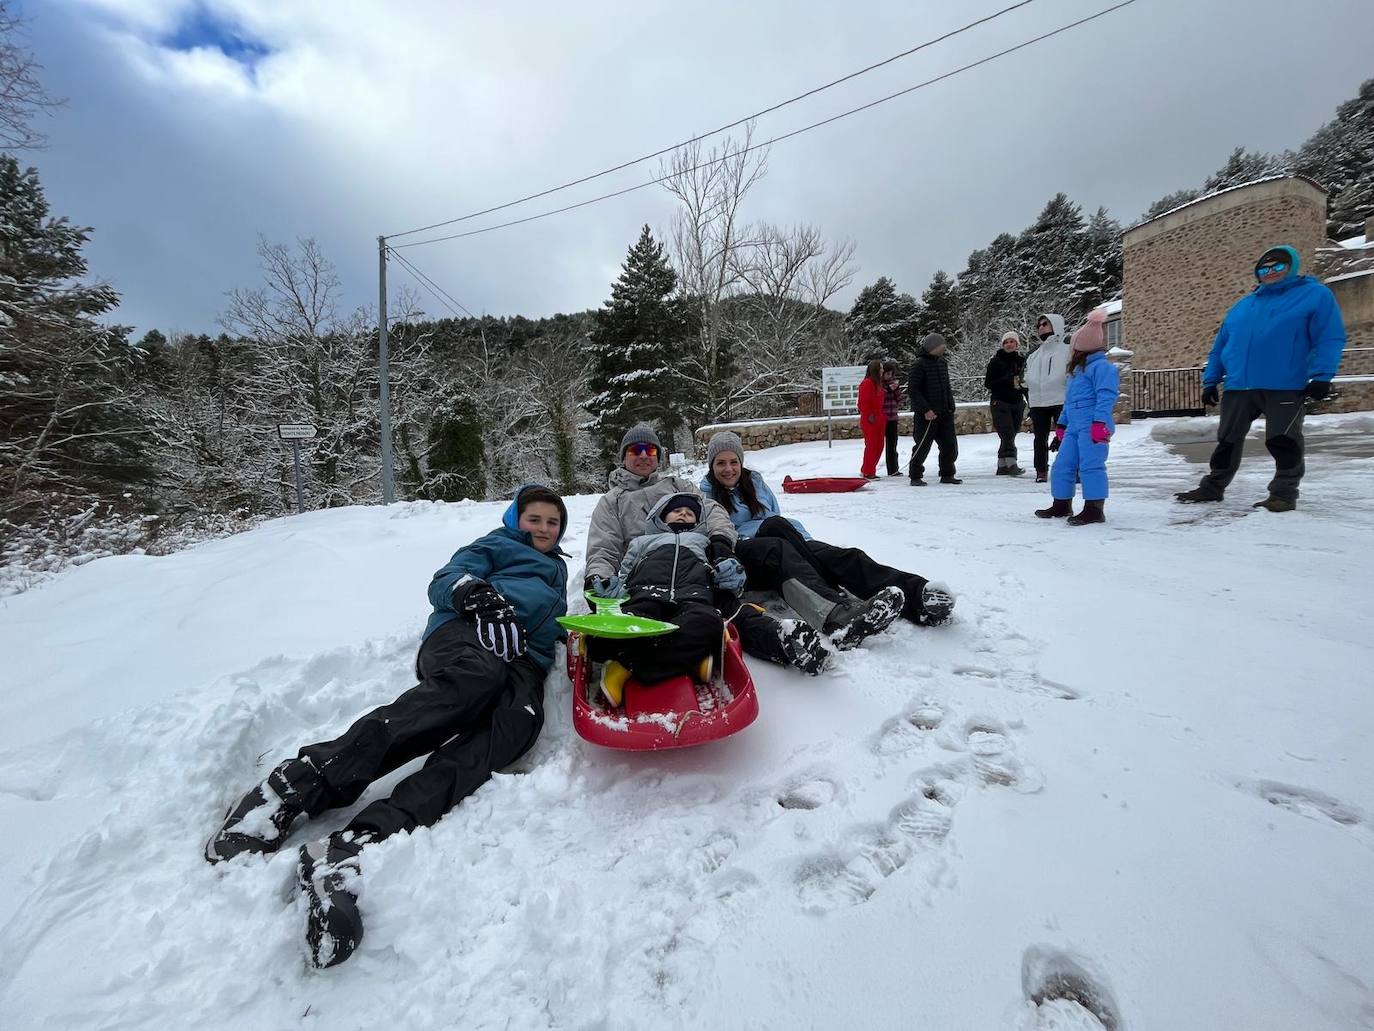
{"x":1273,"y":266}
{"x":642,"y":450}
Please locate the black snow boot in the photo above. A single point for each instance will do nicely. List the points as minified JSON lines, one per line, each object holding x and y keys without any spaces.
{"x":918,"y":483}
{"x":1058,"y":510}
{"x":260,"y":820}
{"x":1274,"y":503}
{"x":1092,"y":513}
{"x":1196,"y":496}
{"x":328,"y":873}
{"x":803,"y":647}
{"x":950,"y":479}
{"x":850,"y":624}
{"x":1010,"y":470}
{"x":937,"y":602}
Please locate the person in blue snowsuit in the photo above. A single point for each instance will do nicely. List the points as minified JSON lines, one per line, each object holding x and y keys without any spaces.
{"x":1277,"y":346}
{"x":1085,"y":427}
{"x":478,"y":706}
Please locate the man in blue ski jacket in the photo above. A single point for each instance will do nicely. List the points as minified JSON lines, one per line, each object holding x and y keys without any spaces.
{"x":1277,"y":346}
{"x":477,"y":707}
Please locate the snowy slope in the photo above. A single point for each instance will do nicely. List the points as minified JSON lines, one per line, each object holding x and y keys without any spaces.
{"x":1136,"y":769}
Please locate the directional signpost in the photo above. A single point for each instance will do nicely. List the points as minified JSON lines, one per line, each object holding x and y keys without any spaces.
{"x":296,"y":432}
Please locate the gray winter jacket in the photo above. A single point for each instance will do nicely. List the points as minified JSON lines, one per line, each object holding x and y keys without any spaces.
{"x":1045,"y":367}
{"x":622,"y":515}
{"x":694,"y":567}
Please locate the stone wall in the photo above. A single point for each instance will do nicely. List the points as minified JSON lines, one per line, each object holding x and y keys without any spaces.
{"x":1184,"y":270}
{"x":1355,"y":294}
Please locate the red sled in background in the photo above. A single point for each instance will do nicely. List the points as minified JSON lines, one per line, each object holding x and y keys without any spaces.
{"x":676,"y":713}
{"x":822,"y":484}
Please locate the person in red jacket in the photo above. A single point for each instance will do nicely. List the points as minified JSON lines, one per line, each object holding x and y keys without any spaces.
{"x":871,"y":418}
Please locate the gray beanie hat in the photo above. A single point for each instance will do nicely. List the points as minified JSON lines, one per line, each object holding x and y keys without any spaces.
{"x":725,"y":440}
{"x":639,"y":433}
{"x":931,"y":342}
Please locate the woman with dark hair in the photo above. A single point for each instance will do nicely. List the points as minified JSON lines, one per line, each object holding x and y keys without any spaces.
{"x":892,"y":407}
{"x":821,"y":582}
{"x":871,"y":418}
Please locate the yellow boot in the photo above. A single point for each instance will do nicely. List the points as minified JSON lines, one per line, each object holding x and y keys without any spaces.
{"x":705,"y":669}
{"x":613,"y":678}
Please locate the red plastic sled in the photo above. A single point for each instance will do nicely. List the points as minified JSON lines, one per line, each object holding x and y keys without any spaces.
{"x":675,"y":713}
{"x":822,"y":484}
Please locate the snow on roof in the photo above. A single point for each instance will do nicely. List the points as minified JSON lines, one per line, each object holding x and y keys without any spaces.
{"x":1110,"y":308}
{"x":1350,"y":275}
{"x":1217,"y":193}
{"x":1356,"y":243}
{"x":1120,"y":352}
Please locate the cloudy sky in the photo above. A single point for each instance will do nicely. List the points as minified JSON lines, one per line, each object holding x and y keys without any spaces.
{"x":193,"y":126}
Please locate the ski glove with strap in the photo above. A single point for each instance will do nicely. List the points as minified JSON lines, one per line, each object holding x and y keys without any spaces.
{"x":729,"y":576}
{"x":1211,"y":396}
{"x":498,"y":631}
{"x":1317,"y":389}
{"x":1100,"y":433}
{"x":606,"y":586}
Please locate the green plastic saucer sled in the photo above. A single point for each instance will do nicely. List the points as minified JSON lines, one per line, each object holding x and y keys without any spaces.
{"x":609,"y":621}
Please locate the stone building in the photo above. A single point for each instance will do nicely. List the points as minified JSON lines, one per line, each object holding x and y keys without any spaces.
{"x":1184,"y":269}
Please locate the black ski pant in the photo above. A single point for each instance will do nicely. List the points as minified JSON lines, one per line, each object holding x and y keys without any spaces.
{"x":771,"y":558}
{"x":849,"y":568}
{"x":652,"y":659}
{"x":926,"y":433}
{"x":471,"y":713}
{"x":1043,"y":420}
{"x":1006,"y":420}
{"x":1283,"y":413}
{"x":894,"y":464}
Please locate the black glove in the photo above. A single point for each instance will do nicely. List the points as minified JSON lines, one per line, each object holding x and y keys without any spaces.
{"x":1317,"y":389}
{"x":1054,"y":443}
{"x":1211,"y":397}
{"x":498,"y":631}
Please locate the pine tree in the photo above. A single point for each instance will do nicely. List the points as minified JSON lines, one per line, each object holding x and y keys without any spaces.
{"x":639,"y":337}
{"x":1100,"y":275}
{"x":1245,"y":166}
{"x":1340,"y":156}
{"x":939,"y":310}
{"x":1170,"y":201}
{"x":67,"y":417}
{"x":883,"y":323}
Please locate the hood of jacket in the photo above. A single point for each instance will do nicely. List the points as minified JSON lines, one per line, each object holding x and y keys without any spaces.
{"x":511,"y":519}
{"x":653,"y":519}
{"x":1056,"y":326}
{"x":621,"y":478}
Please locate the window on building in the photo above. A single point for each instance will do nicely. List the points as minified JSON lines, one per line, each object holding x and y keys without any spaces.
{"x":1113,"y":328}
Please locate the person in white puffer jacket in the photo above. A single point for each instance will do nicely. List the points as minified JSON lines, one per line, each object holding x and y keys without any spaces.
{"x":1045,"y":379}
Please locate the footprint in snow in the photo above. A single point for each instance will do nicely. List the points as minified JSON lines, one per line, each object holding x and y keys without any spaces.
{"x":1305,"y":802}
{"x":1066,"y":992}
{"x":811,"y":793}
{"x":910,"y":728}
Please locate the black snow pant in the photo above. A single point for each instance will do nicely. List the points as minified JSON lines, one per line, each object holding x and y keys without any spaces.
{"x":472,"y":713}
{"x":849,"y":568}
{"x":652,"y":659}
{"x":760,"y":634}
{"x":1006,"y":420}
{"x":772,"y":557}
{"x":894,"y":464}
{"x":926,"y":433}
{"x":1283,"y":413}
{"x":1042,"y":425}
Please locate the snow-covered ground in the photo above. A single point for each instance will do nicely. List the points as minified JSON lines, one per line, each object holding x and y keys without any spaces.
{"x":1136,"y":770}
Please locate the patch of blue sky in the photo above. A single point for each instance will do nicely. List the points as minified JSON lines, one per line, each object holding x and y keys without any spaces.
{"x":202,"y":28}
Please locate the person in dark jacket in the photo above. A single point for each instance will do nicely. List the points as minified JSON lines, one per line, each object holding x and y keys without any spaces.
{"x":932,"y":400}
{"x":667,"y":575}
{"x":478,"y":706}
{"x":892,"y":407}
{"x":1005,"y":383}
{"x":1277,"y":346}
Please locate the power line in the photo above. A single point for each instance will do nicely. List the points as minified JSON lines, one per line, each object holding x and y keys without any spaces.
{"x":440,"y":294}
{"x":776,"y":139}
{"x":723,"y":128}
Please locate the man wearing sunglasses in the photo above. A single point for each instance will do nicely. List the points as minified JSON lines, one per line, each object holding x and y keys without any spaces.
{"x":633,"y":488}
{"x":1278,"y":345}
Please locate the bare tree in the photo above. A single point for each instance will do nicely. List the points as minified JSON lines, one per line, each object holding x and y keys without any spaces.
{"x":21,"y":94}
{"x":779,"y":319}
{"x":707,"y":237}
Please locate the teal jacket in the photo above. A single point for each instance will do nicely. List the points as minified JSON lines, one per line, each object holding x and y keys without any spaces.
{"x":1280,"y":337}
{"x":535,"y":583}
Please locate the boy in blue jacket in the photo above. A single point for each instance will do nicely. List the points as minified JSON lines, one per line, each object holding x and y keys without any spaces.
{"x":1278,"y":345}
{"x":478,"y":706}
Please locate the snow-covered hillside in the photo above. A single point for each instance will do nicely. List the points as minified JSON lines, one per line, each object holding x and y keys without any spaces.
{"x":1136,"y":769}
